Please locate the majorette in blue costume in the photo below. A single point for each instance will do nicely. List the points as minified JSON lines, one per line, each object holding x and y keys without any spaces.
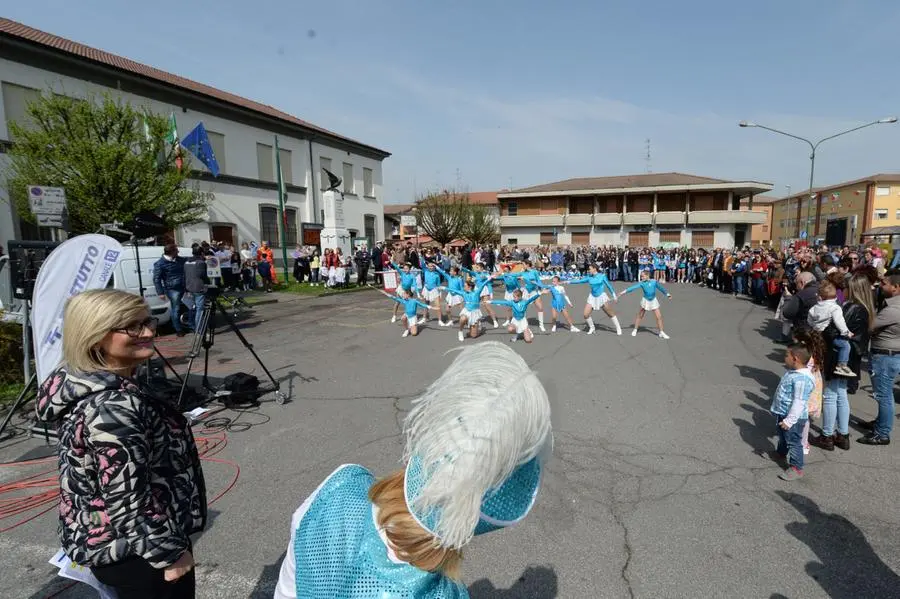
{"x":476,"y":443}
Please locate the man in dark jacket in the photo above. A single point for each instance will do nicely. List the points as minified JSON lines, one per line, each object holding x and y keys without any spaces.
{"x":168,"y":278}
{"x":796,"y":309}
{"x":362,"y":259}
{"x":466,"y":258}
{"x":195,"y":282}
{"x":376,"y":262}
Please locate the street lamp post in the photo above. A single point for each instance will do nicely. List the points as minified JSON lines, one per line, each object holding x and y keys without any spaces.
{"x":813,"y":146}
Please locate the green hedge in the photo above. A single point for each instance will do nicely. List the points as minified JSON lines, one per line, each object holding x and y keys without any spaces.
{"x":11,"y":354}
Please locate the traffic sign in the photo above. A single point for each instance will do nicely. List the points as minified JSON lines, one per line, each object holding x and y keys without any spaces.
{"x":46,"y":200}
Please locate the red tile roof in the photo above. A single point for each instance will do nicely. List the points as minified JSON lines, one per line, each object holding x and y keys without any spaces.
{"x":645,"y":180}
{"x":13,"y":29}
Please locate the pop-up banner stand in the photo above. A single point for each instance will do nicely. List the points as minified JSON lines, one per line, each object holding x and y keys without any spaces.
{"x":78,"y":264}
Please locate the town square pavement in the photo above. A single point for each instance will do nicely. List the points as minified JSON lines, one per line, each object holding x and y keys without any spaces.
{"x":659,"y":485}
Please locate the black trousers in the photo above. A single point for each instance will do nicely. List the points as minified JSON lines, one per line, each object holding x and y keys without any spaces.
{"x":135,"y":578}
{"x":362,"y":277}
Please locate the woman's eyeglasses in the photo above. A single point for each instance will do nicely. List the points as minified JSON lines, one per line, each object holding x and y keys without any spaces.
{"x":135,"y":329}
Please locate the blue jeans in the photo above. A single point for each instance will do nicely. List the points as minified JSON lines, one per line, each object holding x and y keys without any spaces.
{"x":884,"y":372}
{"x":835,"y":407}
{"x":690,"y":272}
{"x":759,"y":289}
{"x":197,"y":310}
{"x":790,"y":442}
{"x":634,"y":272}
{"x":843,"y":348}
{"x":738,"y":284}
{"x":612,"y":273}
{"x":175,"y":307}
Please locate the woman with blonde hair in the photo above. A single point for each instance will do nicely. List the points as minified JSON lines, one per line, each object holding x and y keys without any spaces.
{"x":476,"y":443}
{"x":859,"y":315}
{"x":131,"y":487}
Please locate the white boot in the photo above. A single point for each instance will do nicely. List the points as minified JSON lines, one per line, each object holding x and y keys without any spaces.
{"x":662,"y":335}
{"x":615,"y":321}
{"x":541,"y":322}
{"x":393,"y":318}
{"x":634,"y":332}
{"x":406,"y":333}
{"x":590,"y":325}
{"x":462,"y":337}
{"x":574,"y":329}
{"x":506,"y":322}
{"x":496,"y":324}
{"x":553,"y":328}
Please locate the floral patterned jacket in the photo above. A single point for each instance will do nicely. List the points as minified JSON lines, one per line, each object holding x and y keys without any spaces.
{"x":129,"y":471}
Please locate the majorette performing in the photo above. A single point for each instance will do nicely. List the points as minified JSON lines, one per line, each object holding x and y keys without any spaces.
{"x":521,"y":291}
{"x":476,"y":445}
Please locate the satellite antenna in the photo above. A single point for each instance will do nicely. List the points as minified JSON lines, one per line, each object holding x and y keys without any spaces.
{"x":647,"y":156}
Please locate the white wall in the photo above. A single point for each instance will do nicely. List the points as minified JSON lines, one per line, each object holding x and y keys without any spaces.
{"x":724,"y":238}
{"x":239,"y":202}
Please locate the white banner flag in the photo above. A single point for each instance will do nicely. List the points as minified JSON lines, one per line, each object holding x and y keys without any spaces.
{"x":81,"y":263}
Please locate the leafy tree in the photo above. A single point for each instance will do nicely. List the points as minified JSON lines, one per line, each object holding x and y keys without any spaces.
{"x":110,"y":157}
{"x":442,"y":215}
{"x":481,"y":227}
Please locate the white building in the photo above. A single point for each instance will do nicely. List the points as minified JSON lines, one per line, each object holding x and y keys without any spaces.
{"x":243,"y":198}
{"x":636,"y":210}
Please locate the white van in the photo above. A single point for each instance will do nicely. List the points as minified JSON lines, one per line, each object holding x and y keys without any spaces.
{"x":125,"y":276}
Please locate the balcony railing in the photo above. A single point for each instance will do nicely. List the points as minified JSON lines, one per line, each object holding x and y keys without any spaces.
{"x":638,"y":218}
{"x":573,"y":220}
{"x":670,"y":218}
{"x":535,"y":220}
{"x":608,"y":219}
{"x":715,"y":217}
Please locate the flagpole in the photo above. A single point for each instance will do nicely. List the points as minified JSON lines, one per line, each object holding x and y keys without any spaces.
{"x":281,"y":208}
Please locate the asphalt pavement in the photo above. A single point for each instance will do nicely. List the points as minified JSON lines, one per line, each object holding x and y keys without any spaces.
{"x":659,"y":485}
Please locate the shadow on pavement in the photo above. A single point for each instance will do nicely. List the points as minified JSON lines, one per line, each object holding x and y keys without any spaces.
{"x":759,"y":430}
{"x":767,"y":379}
{"x":537,"y":582}
{"x":268,"y":578}
{"x":848,"y":568}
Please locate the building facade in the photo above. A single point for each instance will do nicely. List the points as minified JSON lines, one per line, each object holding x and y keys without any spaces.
{"x":838,"y":214}
{"x":243,"y":199}
{"x":666,"y":209}
{"x":760,"y":234}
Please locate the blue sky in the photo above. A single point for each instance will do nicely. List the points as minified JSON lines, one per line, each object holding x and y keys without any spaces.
{"x":494,"y":93}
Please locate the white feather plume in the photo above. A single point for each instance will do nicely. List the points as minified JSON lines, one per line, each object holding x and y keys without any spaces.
{"x":486,"y":415}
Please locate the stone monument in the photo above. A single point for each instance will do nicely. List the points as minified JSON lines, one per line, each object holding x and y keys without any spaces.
{"x":335,"y":235}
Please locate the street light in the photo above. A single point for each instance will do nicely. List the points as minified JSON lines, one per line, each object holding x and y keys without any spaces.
{"x":814,"y":146}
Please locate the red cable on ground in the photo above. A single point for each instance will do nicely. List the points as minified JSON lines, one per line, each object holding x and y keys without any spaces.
{"x":42,"y":489}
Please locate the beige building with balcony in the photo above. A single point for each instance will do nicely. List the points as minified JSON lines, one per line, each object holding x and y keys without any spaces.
{"x":838,"y":214}
{"x":665,"y":209}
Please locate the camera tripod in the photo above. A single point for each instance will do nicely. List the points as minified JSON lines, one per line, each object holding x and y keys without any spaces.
{"x":205,"y":338}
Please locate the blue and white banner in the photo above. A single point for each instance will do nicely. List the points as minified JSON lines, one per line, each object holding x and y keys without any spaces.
{"x":81,"y":263}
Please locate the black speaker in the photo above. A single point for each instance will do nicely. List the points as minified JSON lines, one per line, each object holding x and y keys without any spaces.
{"x":25,"y":260}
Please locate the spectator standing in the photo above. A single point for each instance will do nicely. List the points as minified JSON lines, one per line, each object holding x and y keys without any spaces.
{"x":796,"y":308}
{"x":885,"y":361}
{"x":195,"y":283}
{"x":265,"y":254}
{"x":168,"y":278}
{"x":376,"y":263}
{"x":362,"y":258}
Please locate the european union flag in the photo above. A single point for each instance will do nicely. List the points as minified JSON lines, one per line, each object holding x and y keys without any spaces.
{"x":197,"y":143}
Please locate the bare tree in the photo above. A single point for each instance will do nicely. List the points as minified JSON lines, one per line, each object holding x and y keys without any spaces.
{"x":481,"y":227}
{"x":442,"y":215}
